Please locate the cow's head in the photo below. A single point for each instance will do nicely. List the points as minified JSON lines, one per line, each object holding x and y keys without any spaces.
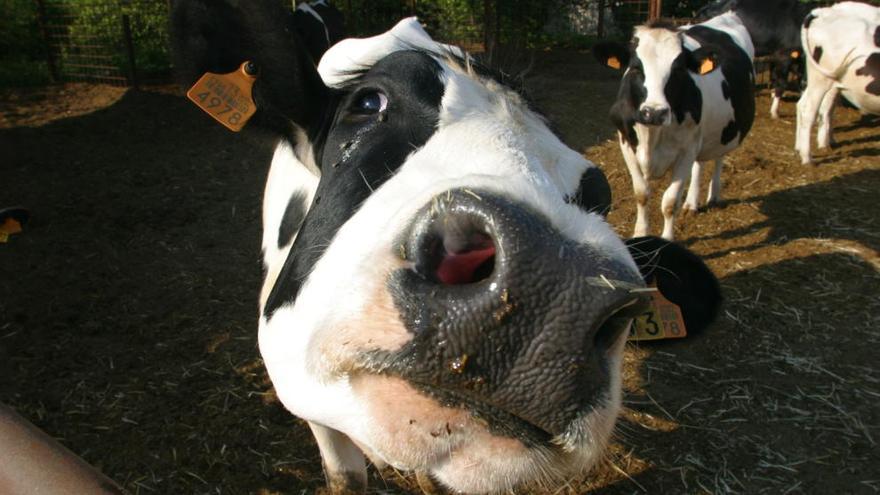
{"x":452,"y":300}
{"x":658,"y":64}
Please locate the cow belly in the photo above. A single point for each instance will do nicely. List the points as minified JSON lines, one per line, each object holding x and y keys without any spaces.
{"x":853,"y":89}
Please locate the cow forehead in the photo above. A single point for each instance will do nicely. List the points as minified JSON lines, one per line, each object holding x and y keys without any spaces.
{"x":346,"y":59}
{"x":657,"y":44}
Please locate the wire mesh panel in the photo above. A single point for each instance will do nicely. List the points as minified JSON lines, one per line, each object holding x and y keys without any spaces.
{"x":106,"y":41}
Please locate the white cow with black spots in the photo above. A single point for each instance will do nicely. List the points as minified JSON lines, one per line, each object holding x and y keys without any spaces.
{"x":686,"y":97}
{"x":842,"y":46}
{"x":443,"y":293}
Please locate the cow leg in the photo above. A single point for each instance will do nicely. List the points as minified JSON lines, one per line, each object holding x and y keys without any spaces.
{"x":672,"y":197}
{"x":692,"y":201}
{"x":826,"y":109}
{"x":808,"y":104}
{"x":344,"y":465}
{"x":779,"y":80}
{"x":641,"y":189}
{"x":714,"y":195}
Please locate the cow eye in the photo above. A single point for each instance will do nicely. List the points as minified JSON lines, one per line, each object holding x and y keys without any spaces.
{"x":372,"y":102}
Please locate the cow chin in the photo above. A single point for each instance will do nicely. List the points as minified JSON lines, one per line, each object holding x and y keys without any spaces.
{"x":412,"y":431}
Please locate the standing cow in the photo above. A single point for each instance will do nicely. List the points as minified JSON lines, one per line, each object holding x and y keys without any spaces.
{"x":774,"y":27}
{"x":842,"y":45}
{"x":687,"y":96}
{"x":442,"y":295}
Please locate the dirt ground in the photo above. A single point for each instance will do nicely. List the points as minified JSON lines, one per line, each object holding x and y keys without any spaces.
{"x":128,"y":307}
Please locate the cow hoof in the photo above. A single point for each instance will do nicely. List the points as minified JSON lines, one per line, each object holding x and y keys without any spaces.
{"x":688,"y":210}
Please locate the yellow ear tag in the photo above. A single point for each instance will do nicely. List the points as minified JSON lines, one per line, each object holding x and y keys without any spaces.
{"x":795,"y":54}
{"x":662,"y":320}
{"x":226,"y":97}
{"x":707,"y":66}
{"x":613,"y":62}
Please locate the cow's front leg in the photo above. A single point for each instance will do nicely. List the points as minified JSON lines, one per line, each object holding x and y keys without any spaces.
{"x":344,"y":465}
{"x":692,"y":202}
{"x":681,"y":171}
{"x":641,"y":189}
{"x":714,"y":195}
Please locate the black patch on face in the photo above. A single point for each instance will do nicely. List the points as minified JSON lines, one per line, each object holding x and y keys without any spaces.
{"x":725,"y":90}
{"x":872,"y":69}
{"x":630,"y":96}
{"x":729,"y":133}
{"x":877,"y":36}
{"x":681,"y":91}
{"x":737,"y":69}
{"x":817,"y":53}
{"x":594,"y":192}
{"x":358,"y":152}
{"x":293,"y":218}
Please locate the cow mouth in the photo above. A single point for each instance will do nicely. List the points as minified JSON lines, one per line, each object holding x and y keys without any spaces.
{"x":496,"y":419}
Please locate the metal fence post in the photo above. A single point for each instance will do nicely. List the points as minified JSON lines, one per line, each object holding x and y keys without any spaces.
{"x":600,"y":23}
{"x":129,"y":49}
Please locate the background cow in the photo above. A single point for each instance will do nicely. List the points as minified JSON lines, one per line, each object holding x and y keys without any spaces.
{"x":687,"y":95}
{"x":441,"y":294}
{"x":774,"y":27}
{"x":842,"y":45}
{"x":319,"y":26}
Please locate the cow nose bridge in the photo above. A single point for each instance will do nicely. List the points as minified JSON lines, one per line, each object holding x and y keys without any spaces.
{"x":508,"y":316}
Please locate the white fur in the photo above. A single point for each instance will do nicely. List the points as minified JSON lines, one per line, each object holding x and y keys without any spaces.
{"x":679,"y":146}
{"x":845,"y":32}
{"x":486,"y":140}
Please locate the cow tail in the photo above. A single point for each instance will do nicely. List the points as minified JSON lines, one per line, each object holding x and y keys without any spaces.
{"x":834,"y":75}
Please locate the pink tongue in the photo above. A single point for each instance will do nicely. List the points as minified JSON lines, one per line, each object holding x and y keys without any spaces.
{"x":460,"y":268}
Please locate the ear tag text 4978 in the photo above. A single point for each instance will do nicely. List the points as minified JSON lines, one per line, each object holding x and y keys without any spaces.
{"x":662,"y":320}
{"x":227,"y":97}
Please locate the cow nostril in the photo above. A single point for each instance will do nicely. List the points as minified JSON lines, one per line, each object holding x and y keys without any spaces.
{"x":453,"y":248}
{"x":465,"y":262}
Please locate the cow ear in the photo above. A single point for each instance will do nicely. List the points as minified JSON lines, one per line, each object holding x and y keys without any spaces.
{"x":702,"y":61}
{"x":217,"y":36}
{"x":611,"y":54}
{"x":681,"y":276}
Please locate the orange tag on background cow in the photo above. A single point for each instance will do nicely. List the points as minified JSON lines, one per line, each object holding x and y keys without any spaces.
{"x":613,"y":62}
{"x":662,"y":320}
{"x":707,"y":66}
{"x":226,"y":97}
{"x":795,"y":54}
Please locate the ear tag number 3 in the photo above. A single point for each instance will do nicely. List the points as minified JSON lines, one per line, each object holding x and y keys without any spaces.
{"x":662,"y":320}
{"x":227,"y":97}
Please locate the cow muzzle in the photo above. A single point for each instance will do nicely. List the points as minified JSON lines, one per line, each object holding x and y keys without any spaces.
{"x":649,"y":115}
{"x":510,"y":319}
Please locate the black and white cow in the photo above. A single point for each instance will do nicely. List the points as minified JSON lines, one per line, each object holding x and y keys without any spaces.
{"x":774,"y":27}
{"x":319,"y":26}
{"x":687,"y":96}
{"x":842,"y":45}
{"x":442,"y":294}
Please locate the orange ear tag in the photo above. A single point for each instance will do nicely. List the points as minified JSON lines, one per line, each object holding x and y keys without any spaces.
{"x":226,"y":97}
{"x":662,"y":320}
{"x":707,"y":66}
{"x":613,"y":62}
{"x":795,"y":54}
